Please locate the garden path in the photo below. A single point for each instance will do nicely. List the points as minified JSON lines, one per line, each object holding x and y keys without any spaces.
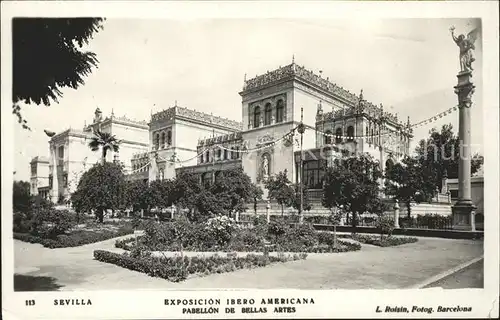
{"x":371,"y":267}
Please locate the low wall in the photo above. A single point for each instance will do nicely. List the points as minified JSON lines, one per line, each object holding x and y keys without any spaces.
{"x":434,"y":233}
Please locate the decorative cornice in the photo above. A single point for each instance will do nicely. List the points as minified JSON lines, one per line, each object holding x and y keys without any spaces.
{"x":193,"y":115}
{"x":231,"y":137}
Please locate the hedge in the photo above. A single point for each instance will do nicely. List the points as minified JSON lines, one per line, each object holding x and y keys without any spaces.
{"x":74,"y":239}
{"x":385,"y":241}
{"x":178,"y":268}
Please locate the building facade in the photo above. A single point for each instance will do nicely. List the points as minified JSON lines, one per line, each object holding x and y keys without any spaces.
{"x":70,"y":155}
{"x":39,"y":179}
{"x":264,"y":143}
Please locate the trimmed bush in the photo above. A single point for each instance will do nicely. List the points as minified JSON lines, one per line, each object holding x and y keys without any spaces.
{"x":178,"y":268}
{"x":74,"y":239}
{"x":384,"y":242}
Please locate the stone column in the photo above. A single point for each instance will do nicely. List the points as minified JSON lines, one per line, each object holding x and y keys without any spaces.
{"x":396,"y":214}
{"x":463,"y":208}
{"x":237,"y":216}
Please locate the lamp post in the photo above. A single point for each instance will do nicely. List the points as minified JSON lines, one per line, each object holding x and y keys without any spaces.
{"x":301,"y":129}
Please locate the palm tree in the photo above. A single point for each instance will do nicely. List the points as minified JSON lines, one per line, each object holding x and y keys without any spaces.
{"x":104,"y":141}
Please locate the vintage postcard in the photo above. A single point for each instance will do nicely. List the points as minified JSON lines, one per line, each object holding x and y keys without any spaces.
{"x":250,"y":160}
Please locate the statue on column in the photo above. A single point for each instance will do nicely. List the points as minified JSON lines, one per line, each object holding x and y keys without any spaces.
{"x":466,"y":46}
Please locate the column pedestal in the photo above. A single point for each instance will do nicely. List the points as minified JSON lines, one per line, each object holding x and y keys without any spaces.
{"x":463,"y":215}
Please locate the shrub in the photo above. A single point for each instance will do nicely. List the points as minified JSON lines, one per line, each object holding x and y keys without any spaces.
{"x":177,"y":269}
{"x":21,"y":222}
{"x":277,"y":228}
{"x":385,"y":242}
{"x":301,"y":235}
{"x":50,"y":223}
{"x":385,"y":224}
{"x":76,"y":238}
{"x":434,"y":221}
{"x":222,"y":228}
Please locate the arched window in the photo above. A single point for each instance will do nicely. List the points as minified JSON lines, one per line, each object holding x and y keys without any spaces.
{"x":280,"y":110}
{"x":328,"y":137}
{"x":256,"y":117}
{"x":350,"y":133}
{"x":366,"y":133}
{"x":201,"y":158}
{"x":162,"y":140}
{"x":237,"y":153}
{"x":157,"y":141}
{"x":169,"y":138}
{"x":267,"y":114}
{"x":338,"y":135}
{"x":388,"y":165}
{"x":207,"y":155}
{"x":233,"y":154}
{"x":219,"y":154}
{"x":225,"y":154}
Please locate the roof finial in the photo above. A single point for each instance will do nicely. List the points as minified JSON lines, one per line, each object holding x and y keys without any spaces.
{"x":408,"y":122}
{"x":112,"y":113}
{"x":245,"y":78}
{"x":175,"y":103}
{"x":293,"y":58}
{"x":361,"y":95}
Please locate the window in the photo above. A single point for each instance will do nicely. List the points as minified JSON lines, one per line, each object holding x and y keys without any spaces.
{"x":256,"y":117}
{"x":169,"y":138}
{"x":338,"y":135}
{"x":60,"y":152}
{"x":313,"y":173}
{"x":225,"y":154}
{"x":219,"y":154}
{"x":328,"y":138}
{"x":233,"y":154}
{"x":163,"y":140}
{"x":280,"y":108}
{"x":267,"y":114}
{"x":218,"y":176}
{"x":388,"y":165}
{"x":454,"y":194}
{"x":350,"y":133}
{"x":201,"y":158}
{"x":157,"y":141}
{"x":237,"y":153}
{"x":207,"y":156}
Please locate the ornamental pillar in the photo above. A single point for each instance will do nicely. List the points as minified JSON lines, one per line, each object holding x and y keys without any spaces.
{"x":464,"y":208}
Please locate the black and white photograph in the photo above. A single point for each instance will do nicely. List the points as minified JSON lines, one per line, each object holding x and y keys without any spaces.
{"x":289,"y":157}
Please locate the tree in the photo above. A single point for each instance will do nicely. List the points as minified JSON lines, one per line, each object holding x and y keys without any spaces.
{"x":104,"y":141}
{"x":353,"y":183}
{"x":256,"y":195}
{"x":440,"y":153}
{"x":408,"y":182}
{"x":185,"y":192}
{"x":101,"y":188}
{"x":280,"y":189}
{"x":296,"y":199}
{"x":48,"y":56}
{"x":234,"y":189}
{"x":21,"y":200}
{"x":137,"y":195}
{"x":161,"y":194}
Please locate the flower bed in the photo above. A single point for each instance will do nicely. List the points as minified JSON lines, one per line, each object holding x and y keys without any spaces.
{"x":74,"y":238}
{"x":384,"y":242}
{"x":321,"y":242}
{"x":179,"y":268}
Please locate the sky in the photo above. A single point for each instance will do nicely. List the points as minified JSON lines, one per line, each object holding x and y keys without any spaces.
{"x":408,"y":65}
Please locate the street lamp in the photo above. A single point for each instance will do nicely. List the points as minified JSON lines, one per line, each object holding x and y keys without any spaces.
{"x":301,"y":129}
